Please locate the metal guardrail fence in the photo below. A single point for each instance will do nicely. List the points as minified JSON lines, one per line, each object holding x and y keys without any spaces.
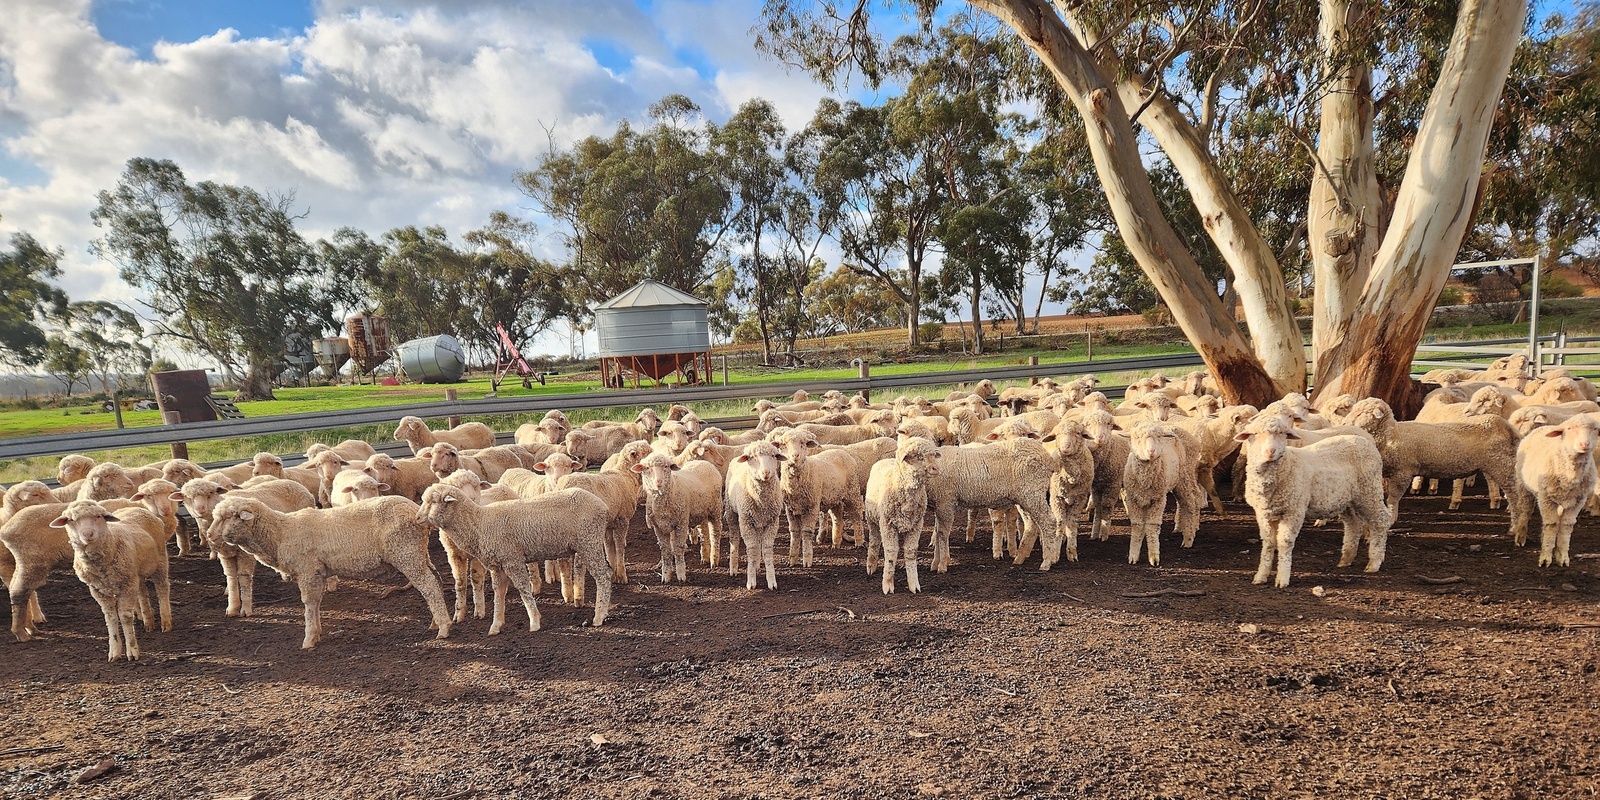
{"x":92,"y":441}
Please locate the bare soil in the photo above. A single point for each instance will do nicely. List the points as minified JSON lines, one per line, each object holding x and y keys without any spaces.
{"x":995,"y":681}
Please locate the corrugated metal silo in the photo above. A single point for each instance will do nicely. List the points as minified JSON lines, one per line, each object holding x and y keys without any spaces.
{"x":653,"y":330}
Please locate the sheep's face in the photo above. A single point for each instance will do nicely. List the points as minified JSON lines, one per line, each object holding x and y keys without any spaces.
{"x":1514,"y":364}
{"x":1578,"y":435}
{"x":556,"y":466}
{"x":73,"y":468}
{"x":27,"y":493}
{"x":771,"y":420}
{"x":833,"y":405}
{"x":1560,"y":390}
{"x":1148,"y":440}
{"x":801,"y":395}
{"x":86,"y":521}
{"x":181,"y":472}
{"x":763,"y":460}
{"x":693,"y":424}
{"x":1238,"y":417}
{"x":439,"y":503}
{"x":201,"y":496}
{"x":674,"y":435}
{"x":1014,"y":429}
{"x":762,"y":407}
{"x":920,"y":456}
{"x":883,"y":423}
{"x":554,"y":431}
{"x":1485,"y":401}
{"x":444,"y":460}
{"x":1069,"y":437}
{"x":1096,"y":401}
{"x":1159,"y":381}
{"x":655,"y":473}
{"x":1157,"y":405}
{"x":1209,"y":406}
{"x":1518,"y":383}
{"x":859,"y":402}
{"x":1266,"y":443}
{"x":1100,"y":427}
{"x":648,"y":419}
{"x":108,"y":481}
{"x":713,"y":435}
{"x":1194,"y":383}
{"x":156,"y":495}
{"x":409,"y":428}
{"x":555,"y":413}
{"x":315,"y":449}
{"x":328,"y":463}
{"x":1340,"y":407}
{"x":1369,"y":413}
{"x":576,"y":441}
{"x":1525,"y":420}
{"x":266,"y":464}
{"x":364,"y":488}
{"x":380,"y":468}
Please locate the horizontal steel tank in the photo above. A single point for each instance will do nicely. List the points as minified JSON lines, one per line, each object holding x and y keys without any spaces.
{"x":433,"y":359}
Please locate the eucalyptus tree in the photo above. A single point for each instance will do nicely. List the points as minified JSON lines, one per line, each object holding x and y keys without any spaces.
{"x":1381,"y":251}
{"x":27,"y":297}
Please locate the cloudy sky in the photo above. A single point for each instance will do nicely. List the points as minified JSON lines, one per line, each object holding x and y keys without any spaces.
{"x":376,"y":114}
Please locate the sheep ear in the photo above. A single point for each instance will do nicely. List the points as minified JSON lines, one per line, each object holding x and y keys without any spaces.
{"x":1292,"y":434}
{"x":176,"y":496}
{"x":136,"y":498}
{"x":1086,"y":435}
{"x":540,"y":467}
{"x":484,"y":484}
{"x":781,"y":457}
{"x":993,"y":437}
{"x":1242,"y":437}
{"x":110,"y":518}
{"x":1049,"y":438}
{"x":347,"y":489}
{"x":58,"y":522}
{"x":1554,"y":432}
{"x":426,"y":452}
{"x":676,"y":467}
{"x":449,"y":498}
{"x":222,"y":489}
{"x":383,"y":487}
{"x":637,"y":468}
{"x":1312,"y":410}
{"x":742,"y":458}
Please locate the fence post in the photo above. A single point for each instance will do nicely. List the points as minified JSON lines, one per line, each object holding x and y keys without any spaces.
{"x":1033,"y":361}
{"x":1561,"y":344}
{"x":1089,"y":333}
{"x":179,"y":449}
{"x":724,"y":369}
{"x":450,"y":395}
{"x":864,"y":372}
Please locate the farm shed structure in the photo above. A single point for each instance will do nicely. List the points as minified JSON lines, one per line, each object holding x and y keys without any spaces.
{"x":653,"y":331}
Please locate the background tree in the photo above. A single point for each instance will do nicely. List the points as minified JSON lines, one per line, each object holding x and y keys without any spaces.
{"x":111,"y":339}
{"x":749,"y":148}
{"x":222,"y":267}
{"x":26,"y":298}
{"x":508,"y":285}
{"x":1183,"y":71}
{"x":66,"y":362}
{"x":846,"y":301}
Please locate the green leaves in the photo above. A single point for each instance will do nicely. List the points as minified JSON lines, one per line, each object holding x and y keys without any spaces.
{"x":26,"y":298}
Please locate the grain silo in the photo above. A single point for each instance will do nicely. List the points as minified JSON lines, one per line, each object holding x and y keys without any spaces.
{"x":653,"y":331}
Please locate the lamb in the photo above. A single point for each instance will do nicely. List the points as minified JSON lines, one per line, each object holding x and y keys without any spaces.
{"x":550,"y":430}
{"x":271,"y":465}
{"x":361,"y":540}
{"x":1341,"y":476}
{"x":1110,"y":451}
{"x":1070,"y":489}
{"x":1014,"y":472}
{"x":594,"y":446}
{"x":643,"y":426}
{"x":619,"y":487}
{"x":678,"y":498}
{"x":896,"y":504}
{"x":983,"y":390}
{"x":327,"y":465}
{"x":1161,"y":459}
{"x":505,"y":536}
{"x":24,"y":494}
{"x":115,"y":559}
{"x":466,"y":436}
{"x":1555,"y":469}
{"x":444,"y":459}
{"x":467,"y":573}
{"x":1445,"y":450}
{"x":406,"y":477}
{"x":353,"y":486}
{"x":179,"y":471}
{"x":673,"y":438}
{"x":496,"y":460}
{"x":1217,"y":440}
{"x":817,"y":482}
{"x":752,"y":505}
{"x":35,"y":548}
{"x":238,"y":569}
{"x":156,"y":496}
{"x":718,"y":455}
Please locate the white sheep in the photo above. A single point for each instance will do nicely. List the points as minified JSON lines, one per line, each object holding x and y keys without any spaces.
{"x":24,"y":494}
{"x":353,"y":486}
{"x":1555,"y":469}
{"x":1070,"y":490}
{"x":364,"y":540}
{"x":1338,"y":477}
{"x":271,"y":465}
{"x":201,"y":496}
{"x":73,"y":468}
{"x":505,"y":536}
{"x":998,"y":476}
{"x":896,"y":505}
{"x":752,"y":507}
{"x":817,"y":482}
{"x":351,"y":449}
{"x":1109,"y":447}
{"x":406,"y":477}
{"x":618,"y":485}
{"x":677,"y":499}
{"x":1445,"y":450}
{"x":1161,"y":460}
{"x":466,"y":436}
{"x":1216,"y":437}
{"x":115,"y":559}
{"x":107,"y":481}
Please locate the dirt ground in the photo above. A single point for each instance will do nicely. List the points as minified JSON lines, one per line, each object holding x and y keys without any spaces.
{"x":995,"y":681}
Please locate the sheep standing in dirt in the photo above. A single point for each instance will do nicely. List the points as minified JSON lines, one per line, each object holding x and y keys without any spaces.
{"x":466,"y":436}
{"x":506,"y":536}
{"x":115,"y":559}
{"x":33,"y":549}
{"x":363,"y":540}
{"x":1161,"y":460}
{"x":1109,"y":447}
{"x":1000,"y":476}
{"x":1070,"y":489}
{"x":618,"y":485}
{"x":238,"y":567}
{"x":896,"y":505}
{"x":1445,"y":450}
{"x":327,"y":465}
{"x":1556,"y":470}
{"x":1338,"y":477}
{"x":678,"y":498}
{"x":752,"y":506}
{"x":1216,"y":437}
{"x":156,"y":496}
{"x":815,"y":483}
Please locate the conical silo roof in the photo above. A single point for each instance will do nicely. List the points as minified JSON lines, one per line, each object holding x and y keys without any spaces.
{"x":651,"y":293}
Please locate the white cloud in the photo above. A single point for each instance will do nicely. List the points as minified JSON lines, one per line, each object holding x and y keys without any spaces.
{"x":378,"y":115}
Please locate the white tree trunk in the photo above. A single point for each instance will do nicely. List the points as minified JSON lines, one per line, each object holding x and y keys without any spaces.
{"x":1371,"y":353}
{"x":1144,"y":228}
{"x":1257,"y":274}
{"x":1346,"y":220}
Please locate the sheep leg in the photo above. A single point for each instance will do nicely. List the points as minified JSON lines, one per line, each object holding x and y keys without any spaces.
{"x":311,"y":589}
{"x":1136,"y":515}
{"x":1288,"y":530}
{"x":1239,"y":470}
{"x":810,"y":527}
{"x":1001,"y":540}
{"x":477,"y":574}
{"x":182,"y":538}
{"x":147,"y":614}
{"x":128,"y":602}
{"x":941,"y":550}
{"x":1493,"y":487}
{"x":972,"y":528}
{"x":664,"y":541}
{"x":680,"y":554}
{"x":1522,"y":503}
{"x":619,"y":551}
{"x":735,"y":537}
{"x":602,"y":591}
{"x":769,"y":542}
{"x":500,"y":585}
{"x":1269,"y":546}
{"x":752,"y":551}
{"x":908,"y":553}
{"x":1377,"y":538}
{"x":874,"y":544}
{"x":524,"y":583}
{"x":459,"y":573}
{"x":890,"y":540}
{"x":230,"y":574}
{"x":419,"y":571}
{"x":1556,"y":533}
{"x":1352,"y":537}
{"x":108,"y":608}
{"x":24,"y":598}
{"x":1190,"y":500}
{"x":550,"y":575}
{"x":1207,"y":478}
{"x":1457,"y":488}
{"x":580,"y":573}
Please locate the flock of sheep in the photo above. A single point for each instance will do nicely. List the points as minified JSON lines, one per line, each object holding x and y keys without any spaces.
{"x":1039,"y":459}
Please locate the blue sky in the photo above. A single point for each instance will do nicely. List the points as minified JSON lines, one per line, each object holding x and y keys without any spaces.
{"x":139,"y":24}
